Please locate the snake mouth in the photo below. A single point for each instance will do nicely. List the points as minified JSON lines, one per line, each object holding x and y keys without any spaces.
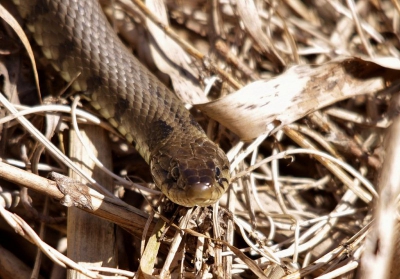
{"x":202,"y":194}
{"x":199,"y":194}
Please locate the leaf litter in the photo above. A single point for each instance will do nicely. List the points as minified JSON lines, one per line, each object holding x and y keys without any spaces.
{"x":300,"y":94}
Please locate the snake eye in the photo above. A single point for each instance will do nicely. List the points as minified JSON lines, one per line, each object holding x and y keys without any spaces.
{"x":217,"y":172}
{"x":175,"y":173}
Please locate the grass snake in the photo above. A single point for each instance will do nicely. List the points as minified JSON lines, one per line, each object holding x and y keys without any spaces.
{"x":79,"y":42}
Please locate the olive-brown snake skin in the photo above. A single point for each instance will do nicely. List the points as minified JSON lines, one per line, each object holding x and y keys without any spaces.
{"x":76,"y":37}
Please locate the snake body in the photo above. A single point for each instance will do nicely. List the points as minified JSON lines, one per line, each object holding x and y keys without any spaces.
{"x":76,"y":38}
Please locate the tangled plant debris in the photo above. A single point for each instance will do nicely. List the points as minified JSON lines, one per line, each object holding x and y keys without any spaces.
{"x":301,"y":95}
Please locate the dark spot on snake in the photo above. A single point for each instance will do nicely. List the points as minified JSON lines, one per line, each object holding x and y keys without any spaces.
{"x":40,"y":8}
{"x":190,"y":173}
{"x":121,"y":107}
{"x":94,"y":82}
{"x":66,"y":49}
{"x":160,"y":130}
{"x":210,"y":164}
{"x":195,"y":124}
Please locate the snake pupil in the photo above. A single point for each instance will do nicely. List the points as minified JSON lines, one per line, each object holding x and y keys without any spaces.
{"x":217,"y":172}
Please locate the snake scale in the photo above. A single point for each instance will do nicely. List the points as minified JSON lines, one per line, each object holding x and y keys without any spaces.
{"x":77,"y":39}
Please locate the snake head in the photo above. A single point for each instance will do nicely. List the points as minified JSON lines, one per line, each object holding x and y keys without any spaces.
{"x":191,"y":174}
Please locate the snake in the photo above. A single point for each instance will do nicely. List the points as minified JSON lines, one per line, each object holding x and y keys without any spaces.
{"x":81,"y":45}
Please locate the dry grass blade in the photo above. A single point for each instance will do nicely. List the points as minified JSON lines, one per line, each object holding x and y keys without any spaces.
{"x":185,"y":78}
{"x":13,"y":23}
{"x":304,"y":92}
{"x":383,"y":241}
{"x":266,"y":106}
{"x":248,"y":14}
